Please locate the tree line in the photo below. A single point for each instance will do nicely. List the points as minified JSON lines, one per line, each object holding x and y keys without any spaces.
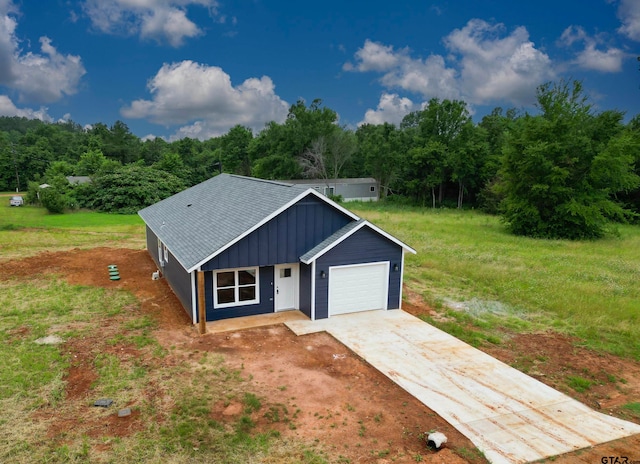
{"x":565,"y":171}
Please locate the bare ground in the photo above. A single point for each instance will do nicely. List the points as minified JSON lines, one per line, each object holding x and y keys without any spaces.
{"x":332,"y":397}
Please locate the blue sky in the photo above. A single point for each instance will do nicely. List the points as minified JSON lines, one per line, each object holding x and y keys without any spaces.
{"x":195,"y":68}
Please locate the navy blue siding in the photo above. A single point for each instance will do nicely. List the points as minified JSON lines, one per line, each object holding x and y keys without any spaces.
{"x":364,"y":246}
{"x":266,"y":298}
{"x":285,"y":238}
{"x":178,"y":278}
{"x":305,"y":289}
{"x":152,"y":246}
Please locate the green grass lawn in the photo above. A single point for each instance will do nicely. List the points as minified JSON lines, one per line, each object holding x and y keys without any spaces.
{"x":468,"y":260}
{"x":467,"y":265}
{"x":32,"y":376}
{"x":28,"y":230}
{"x":465,"y":259}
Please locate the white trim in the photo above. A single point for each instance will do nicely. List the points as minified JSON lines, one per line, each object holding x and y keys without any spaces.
{"x":271,"y":216}
{"x":401,"y":280}
{"x":313,"y":291}
{"x":353,"y":231}
{"x":161,"y":262}
{"x":387,"y":265}
{"x":194,"y":298}
{"x":236,"y":288}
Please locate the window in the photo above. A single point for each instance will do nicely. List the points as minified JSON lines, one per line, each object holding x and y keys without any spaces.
{"x":285,"y":272}
{"x":235,"y":287}
{"x":166,"y":253}
{"x":372,"y":188}
{"x":328,"y":191}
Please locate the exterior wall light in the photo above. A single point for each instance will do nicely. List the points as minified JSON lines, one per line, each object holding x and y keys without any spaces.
{"x":323,"y":275}
{"x":396,"y":268}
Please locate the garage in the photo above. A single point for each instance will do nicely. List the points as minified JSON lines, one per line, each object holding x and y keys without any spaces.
{"x":360,"y":287}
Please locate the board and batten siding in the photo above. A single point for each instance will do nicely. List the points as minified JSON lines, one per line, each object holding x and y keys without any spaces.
{"x":364,"y":246}
{"x":305,"y":289}
{"x":284,"y":238}
{"x":178,"y":278}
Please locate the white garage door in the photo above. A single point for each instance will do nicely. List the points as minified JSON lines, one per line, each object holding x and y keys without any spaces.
{"x":358,"y":288}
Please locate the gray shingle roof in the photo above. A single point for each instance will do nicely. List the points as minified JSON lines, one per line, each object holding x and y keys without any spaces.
{"x":200,"y":221}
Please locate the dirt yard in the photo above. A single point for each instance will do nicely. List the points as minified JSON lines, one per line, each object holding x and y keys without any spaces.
{"x":340,"y":401}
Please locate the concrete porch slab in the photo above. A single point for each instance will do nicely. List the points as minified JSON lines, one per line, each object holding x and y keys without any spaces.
{"x":249,"y":322}
{"x":509,"y":416}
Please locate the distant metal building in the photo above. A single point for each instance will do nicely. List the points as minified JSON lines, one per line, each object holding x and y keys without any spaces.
{"x":350,"y":189}
{"x":75,"y":180}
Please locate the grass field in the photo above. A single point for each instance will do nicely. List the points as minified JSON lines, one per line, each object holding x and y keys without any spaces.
{"x":32,"y":375}
{"x":467,"y":261}
{"x":467,"y":265}
{"x":29,"y":230}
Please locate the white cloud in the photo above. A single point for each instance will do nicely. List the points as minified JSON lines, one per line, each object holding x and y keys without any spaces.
{"x":8,"y":108}
{"x":42,"y":77}
{"x":374,"y":56}
{"x":189,"y":92}
{"x":629,"y":15}
{"x":8,"y":42}
{"x":497,"y":67}
{"x":48,"y":76}
{"x":486,"y":65}
{"x":590,"y":57}
{"x":571,"y":35}
{"x":391,"y":108}
{"x":160,"y":20}
{"x":429,"y":77}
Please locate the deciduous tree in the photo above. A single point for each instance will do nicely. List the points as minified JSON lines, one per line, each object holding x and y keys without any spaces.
{"x":563,"y":166}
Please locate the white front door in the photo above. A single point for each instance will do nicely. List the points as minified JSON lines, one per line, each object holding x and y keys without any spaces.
{"x":286,"y":286}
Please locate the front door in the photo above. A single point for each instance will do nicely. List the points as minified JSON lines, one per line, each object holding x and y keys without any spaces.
{"x":286,"y":286}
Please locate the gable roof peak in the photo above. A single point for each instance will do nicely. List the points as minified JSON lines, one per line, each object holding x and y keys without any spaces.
{"x":203,"y":220}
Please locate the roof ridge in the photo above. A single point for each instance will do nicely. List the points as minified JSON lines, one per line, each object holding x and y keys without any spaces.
{"x":267,"y":181}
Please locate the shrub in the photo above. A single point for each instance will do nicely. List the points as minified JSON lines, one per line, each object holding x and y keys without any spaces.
{"x":54,"y":201}
{"x":130,"y":188}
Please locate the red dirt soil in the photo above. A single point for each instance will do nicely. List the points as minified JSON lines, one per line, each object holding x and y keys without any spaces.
{"x":335,"y":398}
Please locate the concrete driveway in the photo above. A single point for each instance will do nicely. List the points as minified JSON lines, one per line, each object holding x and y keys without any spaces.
{"x":508,"y":415}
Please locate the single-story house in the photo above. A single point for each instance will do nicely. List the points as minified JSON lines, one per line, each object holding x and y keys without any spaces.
{"x":352,"y":189}
{"x":240,"y":246}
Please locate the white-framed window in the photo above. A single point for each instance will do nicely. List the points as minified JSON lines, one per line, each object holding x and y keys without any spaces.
{"x":236,"y":287}
{"x":166,"y":253}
